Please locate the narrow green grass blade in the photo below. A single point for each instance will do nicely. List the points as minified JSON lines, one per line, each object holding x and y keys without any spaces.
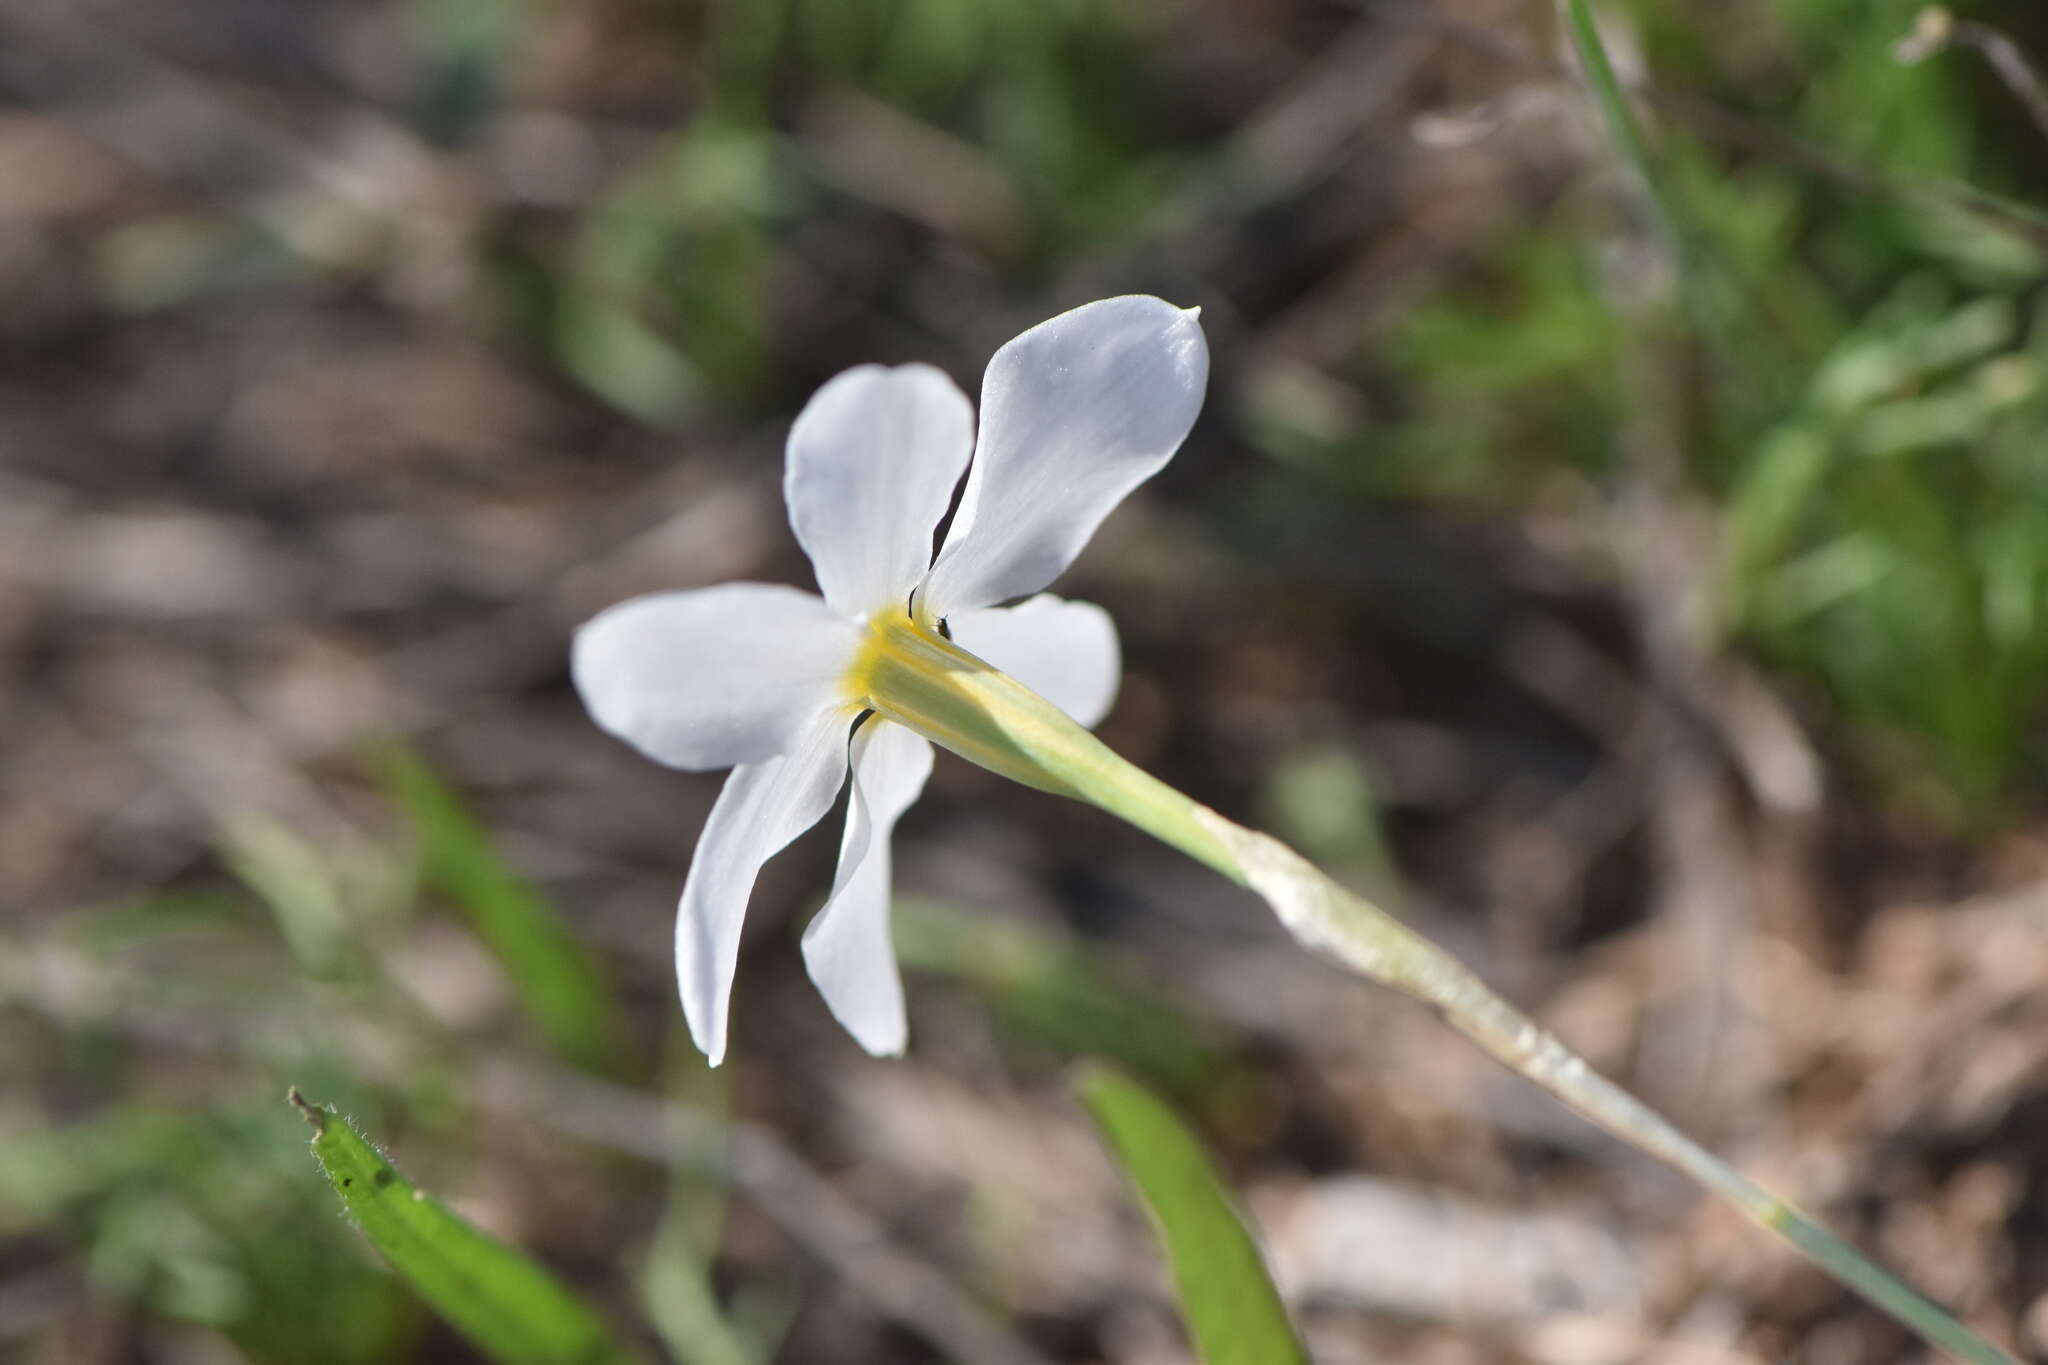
{"x":1687,"y":250}
{"x":511,"y":1309}
{"x":556,"y":980}
{"x":1233,"y":1311}
{"x":1622,"y":129}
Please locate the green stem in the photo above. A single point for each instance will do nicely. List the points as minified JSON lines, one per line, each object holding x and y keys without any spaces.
{"x":912,"y":675}
{"x":1357,"y":934}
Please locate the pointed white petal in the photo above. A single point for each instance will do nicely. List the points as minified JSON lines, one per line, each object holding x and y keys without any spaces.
{"x":847,"y":947}
{"x":1064,"y":651}
{"x":762,"y":807}
{"x":715,"y":677}
{"x":1075,"y":413}
{"x":873,"y":461}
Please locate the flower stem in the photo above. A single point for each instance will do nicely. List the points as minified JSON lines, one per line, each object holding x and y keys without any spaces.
{"x":1355,"y":933}
{"x":911,"y":674}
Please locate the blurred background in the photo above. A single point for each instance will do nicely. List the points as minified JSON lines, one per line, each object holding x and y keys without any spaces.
{"x":1648,"y":605}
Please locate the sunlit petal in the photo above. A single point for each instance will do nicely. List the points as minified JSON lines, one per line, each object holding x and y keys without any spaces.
{"x":873,"y":461}
{"x":847,"y":947}
{"x":715,"y":677}
{"x":1075,"y":413}
{"x":1064,"y":651}
{"x":762,"y":807}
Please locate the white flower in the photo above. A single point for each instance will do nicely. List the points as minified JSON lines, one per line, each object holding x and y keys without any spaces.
{"x":770,"y":681}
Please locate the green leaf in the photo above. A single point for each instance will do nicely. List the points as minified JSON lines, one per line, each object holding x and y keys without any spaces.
{"x":509,"y":1308}
{"x":1233,"y":1311}
{"x":556,"y":980}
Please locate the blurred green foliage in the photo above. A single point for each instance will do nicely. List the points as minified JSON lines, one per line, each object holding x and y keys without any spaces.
{"x":186,"y":1197}
{"x":1857,"y":391}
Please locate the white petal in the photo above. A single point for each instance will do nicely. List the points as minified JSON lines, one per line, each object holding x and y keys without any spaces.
{"x":847,"y":947}
{"x":1075,"y":413}
{"x":762,"y":808}
{"x":715,"y":677}
{"x":1064,"y":651}
{"x":873,"y":461}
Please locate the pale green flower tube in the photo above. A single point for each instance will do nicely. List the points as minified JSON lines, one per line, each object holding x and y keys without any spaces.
{"x":910,"y":673}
